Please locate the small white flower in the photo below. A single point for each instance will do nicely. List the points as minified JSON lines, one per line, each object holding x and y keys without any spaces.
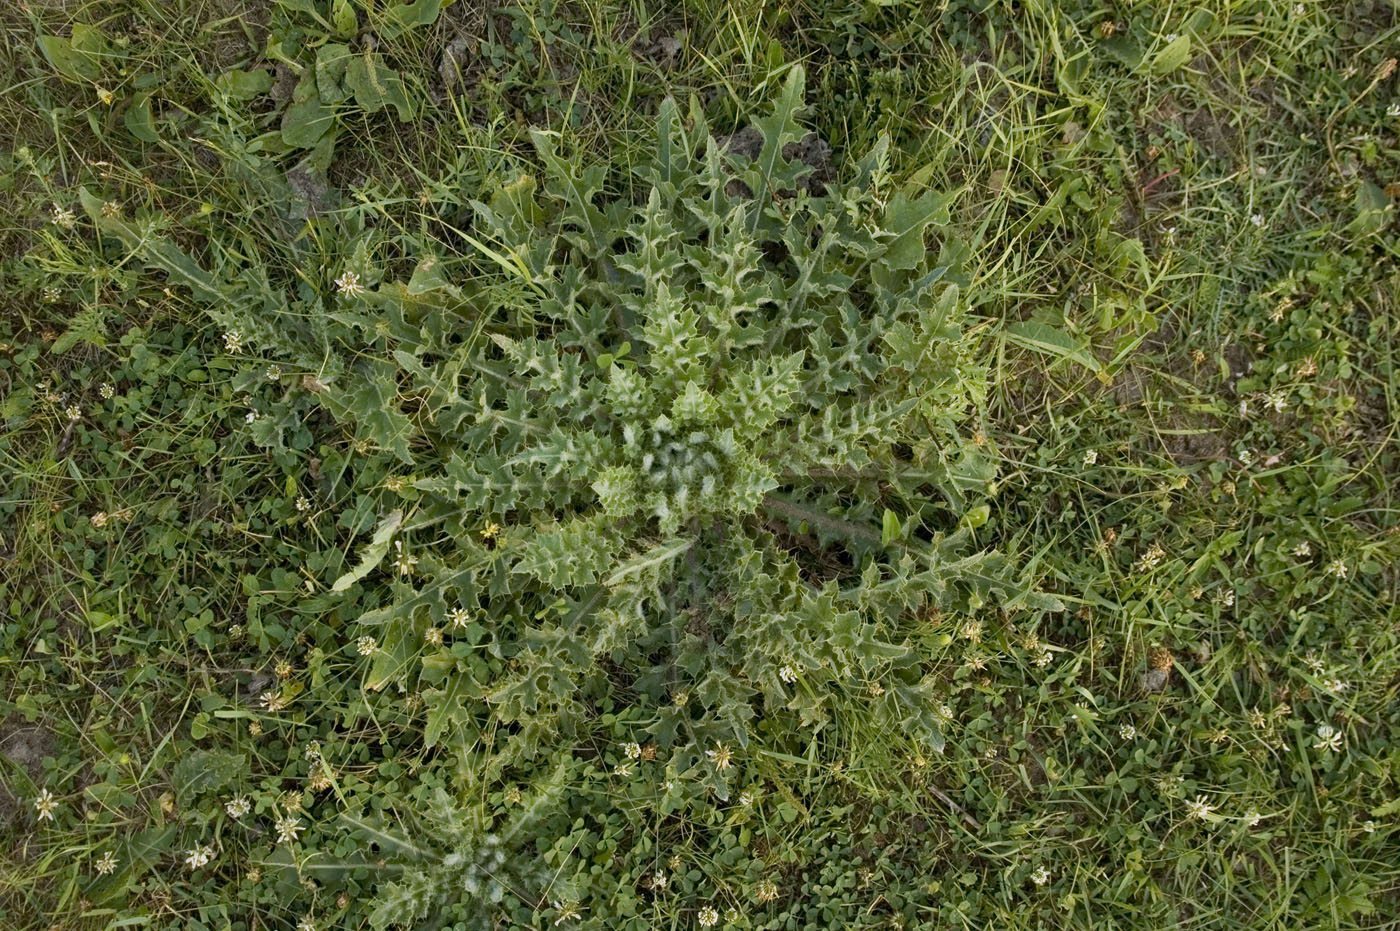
{"x":459,"y":617}
{"x":1199,"y":808}
{"x":74,"y":412}
{"x":250,"y":416}
{"x":633,"y":751}
{"x":746,"y":798}
{"x":1328,"y":738}
{"x":1337,"y":568}
{"x":349,"y":285}
{"x":45,"y":805}
{"x":1127,"y":731}
{"x":197,"y":857}
{"x":1091,"y":457}
{"x":288,"y":827}
{"x":403,"y":562}
{"x":1369,"y":827}
{"x":233,"y":341}
{"x":1252,"y":818}
{"x":1303,"y":550}
{"x":106,"y":391}
{"x":1393,"y":110}
{"x":721,"y":756}
{"x":1258,"y":220}
{"x":1278,"y":400}
{"x":659,"y":880}
{"x":1335,"y":685}
{"x":1041,"y":876}
{"x":366,"y":645}
{"x":238,"y":806}
{"x":106,"y":864}
{"x":567,"y":912}
{"x":1150,"y":558}
{"x":708,"y":917}
{"x":63,"y":217}
{"x":623,"y":769}
{"x":787,"y":674}
{"x":307,"y":923}
{"x":273,"y":372}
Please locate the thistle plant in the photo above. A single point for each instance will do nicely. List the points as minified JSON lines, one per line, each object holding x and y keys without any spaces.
{"x":721,"y":423}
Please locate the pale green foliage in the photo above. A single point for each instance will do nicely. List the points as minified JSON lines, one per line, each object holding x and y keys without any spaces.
{"x":459,"y":854}
{"x":692,"y":411}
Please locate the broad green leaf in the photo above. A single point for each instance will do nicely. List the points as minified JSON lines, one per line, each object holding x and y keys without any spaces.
{"x":977,"y":516}
{"x":401,"y":17}
{"x":303,"y":124}
{"x":372,"y":554}
{"x":99,"y":621}
{"x":239,"y":84}
{"x":150,"y":845}
{"x":664,"y":552}
{"x":343,"y":19}
{"x":332,"y":60}
{"x":447,"y":707}
{"x":159,"y":253}
{"x":1124,"y":50}
{"x":399,"y":644}
{"x":376,"y":85}
{"x":80,"y":58}
{"x":205,"y":771}
{"x":1053,"y":342}
{"x":139,"y":120}
{"x":372,"y":403}
{"x":107,"y":795}
{"x":890,"y":531}
{"x":577,"y":186}
{"x":181,"y":269}
{"x":782,"y":126}
{"x":428,"y":276}
{"x":907,"y":219}
{"x":1373,"y":210}
{"x":1172,"y":56}
{"x":307,"y":119}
